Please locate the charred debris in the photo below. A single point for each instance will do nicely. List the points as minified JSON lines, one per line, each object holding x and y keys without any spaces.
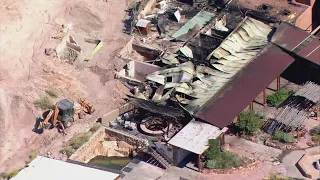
{"x":172,"y":56}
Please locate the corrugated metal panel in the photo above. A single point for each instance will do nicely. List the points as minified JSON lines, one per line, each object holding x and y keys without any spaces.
{"x":235,"y":96}
{"x":202,"y":18}
{"x":143,"y":23}
{"x":142,"y":69}
{"x":194,"y":136}
{"x":287,"y":36}
{"x":297,"y":41}
{"x":315,"y":56}
{"x":42,"y":165}
{"x":233,"y":54}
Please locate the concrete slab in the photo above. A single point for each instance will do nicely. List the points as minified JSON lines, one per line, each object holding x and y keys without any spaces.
{"x":175,"y":173}
{"x":290,"y":161}
{"x":144,"y":171}
{"x":257,"y":149}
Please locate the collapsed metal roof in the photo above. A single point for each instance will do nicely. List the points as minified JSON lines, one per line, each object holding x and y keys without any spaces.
{"x":310,"y":91}
{"x":234,"y":53}
{"x":203,"y":90}
{"x":297,"y":41}
{"x":235,"y":96}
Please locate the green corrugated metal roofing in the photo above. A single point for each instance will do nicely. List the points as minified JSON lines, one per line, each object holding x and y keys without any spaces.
{"x":202,"y":18}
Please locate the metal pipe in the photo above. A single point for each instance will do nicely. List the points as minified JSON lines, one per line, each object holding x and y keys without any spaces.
{"x":264,"y":97}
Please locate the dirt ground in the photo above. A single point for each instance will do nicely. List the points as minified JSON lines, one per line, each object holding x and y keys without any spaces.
{"x":26,"y":28}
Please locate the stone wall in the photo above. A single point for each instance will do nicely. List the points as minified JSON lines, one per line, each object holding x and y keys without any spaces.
{"x":305,"y":164}
{"x":100,"y":145}
{"x":166,"y":150}
{"x":241,"y":169}
{"x":139,"y":143}
{"x":91,"y":148}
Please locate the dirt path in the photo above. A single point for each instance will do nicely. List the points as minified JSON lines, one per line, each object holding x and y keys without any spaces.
{"x":26,"y":72}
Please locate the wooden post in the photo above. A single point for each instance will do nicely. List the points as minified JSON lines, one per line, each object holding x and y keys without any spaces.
{"x":222,"y":139}
{"x":278,"y":83}
{"x":251,"y":105}
{"x":199,"y":162}
{"x":175,"y":155}
{"x":264,"y":97}
{"x":309,"y":72}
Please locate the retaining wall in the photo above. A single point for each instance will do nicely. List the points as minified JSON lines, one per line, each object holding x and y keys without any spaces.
{"x":112,"y":115}
{"x":91,"y":148}
{"x":139,"y":143}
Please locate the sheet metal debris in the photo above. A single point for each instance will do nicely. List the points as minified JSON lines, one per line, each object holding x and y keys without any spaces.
{"x":186,"y":51}
{"x":310,"y":91}
{"x":137,"y":71}
{"x":193,"y":85}
{"x":95,"y":50}
{"x":177,"y":15}
{"x":170,"y":59}
{"x":157,"y":108}
{"x":143,"y":23}
{"x":198,"y":86}
{"x":220,"y":24}
{"x":201,"y":19}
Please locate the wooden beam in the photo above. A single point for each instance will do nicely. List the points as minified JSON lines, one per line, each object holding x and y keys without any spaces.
{"x":278,"y":83}
{"x":309,"y":72}
{"x":315,"y":30}
{"x":264,"y":97}
{"x":199,"y":162}
{"x":251,"y":105}
{"x":222,"y":139}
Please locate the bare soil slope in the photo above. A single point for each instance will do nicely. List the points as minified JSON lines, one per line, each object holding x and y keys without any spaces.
{"x":26,"y":28}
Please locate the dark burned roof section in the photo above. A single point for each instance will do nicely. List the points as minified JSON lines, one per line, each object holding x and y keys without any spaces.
{"x":235,"y":96}
{"x":156,"y":108}
{"x":297,"y":41}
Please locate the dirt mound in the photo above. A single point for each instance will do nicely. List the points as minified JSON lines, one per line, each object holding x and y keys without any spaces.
{"x":89,"y":22}
{"x":14,"y":132}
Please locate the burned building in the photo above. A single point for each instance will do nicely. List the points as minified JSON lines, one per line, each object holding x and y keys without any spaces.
{"x":212,"y":64}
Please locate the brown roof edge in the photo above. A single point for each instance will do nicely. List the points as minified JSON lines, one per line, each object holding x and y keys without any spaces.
{"x":235,"y":96}
{"x":298,"y":41}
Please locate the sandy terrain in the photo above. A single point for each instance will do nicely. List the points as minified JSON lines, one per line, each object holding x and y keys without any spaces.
{"x":26,"y":28}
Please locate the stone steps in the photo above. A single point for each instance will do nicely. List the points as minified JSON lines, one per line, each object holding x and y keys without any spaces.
{"x":161,"y":160}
